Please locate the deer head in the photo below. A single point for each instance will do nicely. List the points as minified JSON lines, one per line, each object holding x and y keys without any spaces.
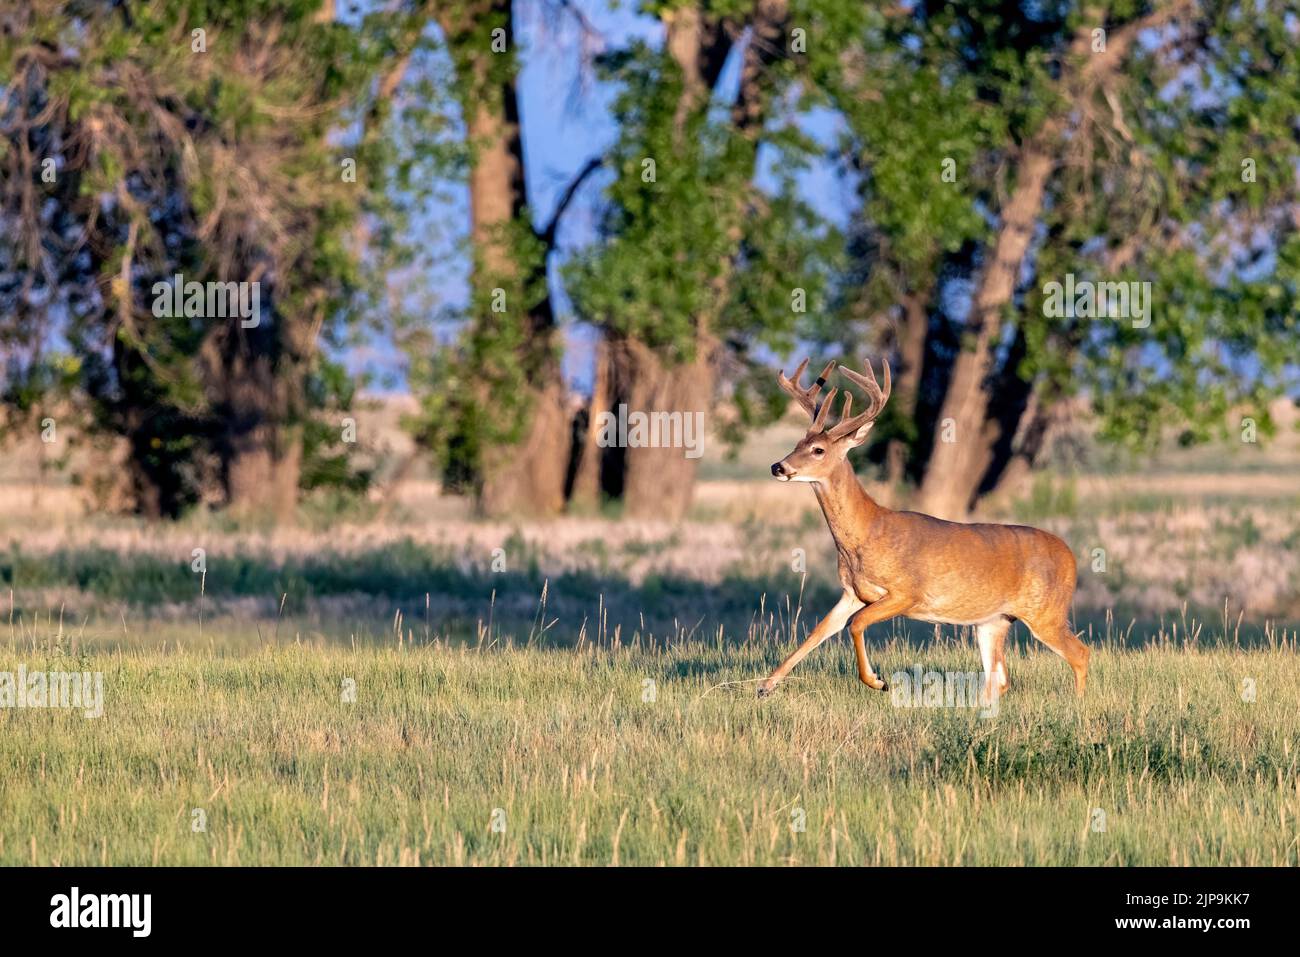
{"x":821,"y":450}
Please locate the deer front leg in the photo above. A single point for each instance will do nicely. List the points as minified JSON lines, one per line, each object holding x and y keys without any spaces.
{"x":830,"y":625}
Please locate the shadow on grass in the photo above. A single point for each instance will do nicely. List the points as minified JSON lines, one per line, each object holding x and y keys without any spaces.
{"x":422,"y":583}
{"x":452,"y":597}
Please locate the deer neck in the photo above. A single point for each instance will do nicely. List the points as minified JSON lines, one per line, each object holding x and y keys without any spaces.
{"x":846,"y":505}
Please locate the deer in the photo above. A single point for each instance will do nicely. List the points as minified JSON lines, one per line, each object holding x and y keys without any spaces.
{"x":911,"y":565}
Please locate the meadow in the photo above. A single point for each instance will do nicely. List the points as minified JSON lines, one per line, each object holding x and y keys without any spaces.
{"x":532,"y":755}
{"x":424,"y":688}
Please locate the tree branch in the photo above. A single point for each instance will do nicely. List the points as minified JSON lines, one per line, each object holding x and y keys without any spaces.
{"x":1120,"y":40}
{"x":547,"y":235}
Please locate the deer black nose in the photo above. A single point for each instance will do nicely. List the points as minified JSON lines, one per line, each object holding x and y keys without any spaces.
{"x":778,"y":469}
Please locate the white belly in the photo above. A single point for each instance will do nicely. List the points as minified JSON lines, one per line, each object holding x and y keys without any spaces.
{"x":945,"y":620}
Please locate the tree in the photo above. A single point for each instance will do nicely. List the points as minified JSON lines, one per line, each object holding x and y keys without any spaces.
{"x":496,"y":408}
{"x":697,"y":266}
{"x":187,"y":139}
{"x":1109,"y":178}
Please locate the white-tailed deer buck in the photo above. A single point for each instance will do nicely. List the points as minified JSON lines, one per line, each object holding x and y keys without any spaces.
{"x":905,"y":563}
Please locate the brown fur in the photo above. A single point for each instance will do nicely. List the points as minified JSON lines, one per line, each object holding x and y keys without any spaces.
{"x":913,"y":565}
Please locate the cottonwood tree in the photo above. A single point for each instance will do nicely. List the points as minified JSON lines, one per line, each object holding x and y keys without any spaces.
{"x":494,"y":407}
{"x":196,"y":139}
{"x":697,"y":267}
{"x":1103,"y":141}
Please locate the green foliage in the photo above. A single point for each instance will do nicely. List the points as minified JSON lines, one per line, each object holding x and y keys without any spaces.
{"x":1222,"y":253}
{"x":225,"y":164}
{"x":691,"y":250}
{"x":475,"y":388}
{"x":220,"y":164}
{"x":1149,"y":186}
{"x":674,"y":204}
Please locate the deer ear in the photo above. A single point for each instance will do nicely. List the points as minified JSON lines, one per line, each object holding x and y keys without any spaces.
{"x":860,"y":436}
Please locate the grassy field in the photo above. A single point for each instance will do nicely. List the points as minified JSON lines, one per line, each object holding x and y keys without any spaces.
{"x":652,"y":755}
{"x":434,"y":689}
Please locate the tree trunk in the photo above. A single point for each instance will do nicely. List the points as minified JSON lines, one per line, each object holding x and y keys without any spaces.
{"x":970,"y":433}
{"x":264,"y":471}
{"x":967,"y":435}
{"x":657,"y":483}
{"x":907,"y":379}
{"x":262,"y":461}
{"x":529,"y":476}
{"x":255,"y":378}
{"x":587,"y":486}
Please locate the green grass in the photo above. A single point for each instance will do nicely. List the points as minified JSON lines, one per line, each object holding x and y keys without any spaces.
{"x":587,"y":771}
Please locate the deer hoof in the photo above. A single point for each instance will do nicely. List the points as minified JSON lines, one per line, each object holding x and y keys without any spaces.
{"x":764,"y":691}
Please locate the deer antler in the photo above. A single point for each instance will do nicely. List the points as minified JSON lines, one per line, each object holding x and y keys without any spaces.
{"x":876,"y":399}
{"x":807,"y":397}
{"x":819,"y":420}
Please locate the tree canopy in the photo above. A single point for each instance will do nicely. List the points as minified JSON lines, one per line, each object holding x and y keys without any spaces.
{"x":1051,"y":201}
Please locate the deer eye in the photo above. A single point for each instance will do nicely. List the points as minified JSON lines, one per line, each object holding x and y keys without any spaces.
{"x":818,"y":451}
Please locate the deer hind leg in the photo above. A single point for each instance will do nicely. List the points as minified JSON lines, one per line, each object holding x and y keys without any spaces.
{"x":1055,"y":633}
{"x":992,"y":638}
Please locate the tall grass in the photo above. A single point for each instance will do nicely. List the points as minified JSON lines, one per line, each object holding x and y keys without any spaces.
{"x":651,"y":754}
{"x":593,"y":701}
